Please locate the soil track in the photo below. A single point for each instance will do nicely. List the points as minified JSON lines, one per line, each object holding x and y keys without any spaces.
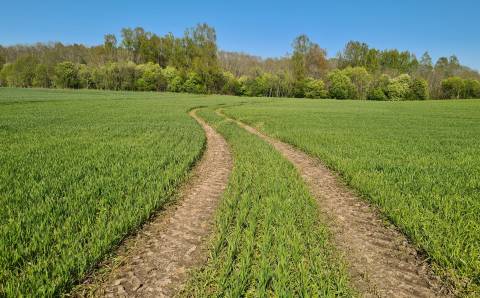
{"x":156,"y":261}
{"x":381,"y":261}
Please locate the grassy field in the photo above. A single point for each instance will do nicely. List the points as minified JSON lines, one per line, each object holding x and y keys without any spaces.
{"x":418,"y":161}
{"x":79,"y":170}
{"x":269,"y":239}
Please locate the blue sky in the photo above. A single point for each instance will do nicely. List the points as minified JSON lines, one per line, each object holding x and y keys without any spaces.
{"x":264,"y":28}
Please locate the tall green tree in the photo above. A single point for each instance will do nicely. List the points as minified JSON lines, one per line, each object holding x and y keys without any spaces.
{"x":425,"y":67}
{"x":308,"y":59}
{"x":110,"y":46}
{"x":354,"y":54}
{"x":201,"y":56}
{"x":301,"y":46}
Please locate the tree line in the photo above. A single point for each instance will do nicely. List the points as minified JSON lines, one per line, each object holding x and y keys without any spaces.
{"x":192,"y":63}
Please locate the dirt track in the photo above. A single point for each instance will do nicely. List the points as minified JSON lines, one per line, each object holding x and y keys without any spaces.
{"x":156,"y":261}
{"x":381,"y":261}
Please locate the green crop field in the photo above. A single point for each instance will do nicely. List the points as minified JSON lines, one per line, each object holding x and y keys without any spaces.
{"x":79,"y":170}
{"x":418,"y":161}
{"x":269,"y":239}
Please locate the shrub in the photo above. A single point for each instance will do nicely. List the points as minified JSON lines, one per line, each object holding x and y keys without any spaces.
{"x":194,"y":84}
{"x":86,"y":77}
{"x":150,"y":78}
{"x":378,"y":88}
{"x":232,"y":86}
{"x":377,"y":93}
{"x":453,"y":87}
{"x":111,"y":76}
{"x":361,"y":79}
{"x":127,"y":74}
{"x":42,"y":77}
{"x":173,"y":79}
{"x":5,"y":73}
{"x":120,"y":76}
{"x":214,"y":81}
{"x":20,"y":73}
{"x":3,"y":60}
{"x":315,"y":89}
{"x":251,"y":86}
{"x":66,"y":75}
{"x":472,"y":88}
{"x":418,"y":89}
{"x":265,"y":84}
{"x":299,"y":88}
{"x":339,"y":85}
{"x":98,"y":77}
{"x":399,"y":87}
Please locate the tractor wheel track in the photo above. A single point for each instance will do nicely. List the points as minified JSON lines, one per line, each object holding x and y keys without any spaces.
{"x":156,"y":261}
{"x":381,"y":261}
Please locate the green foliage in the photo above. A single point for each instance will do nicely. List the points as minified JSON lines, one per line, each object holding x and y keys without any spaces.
{"x":417,"y":161}
{"x":232,"y":86}
{"x":86,"y":77}
{"x":150,"y":78}
{"x":144,"y":61}
{"x":21,"y":73}
{"x":453,"y":87}
{"x":248,"y":86}
{"x":268,"y":239}
{"x":3,"y":60}
{"x":377,"y":93}
{"x":358,"y":54}
{"x":418,"y":89}
{"x":315,"y":89}
{"x":42,"y":76}
{"x":112,"y":65}
{"x":261,"y":85}
{"x":399,"y":87}
{"x":299,"y":88}
{"x":5,"y":72}
{"x":456,"y":87}
{"x":361,"y":79}
{"x":176,"y":84}
{"x":339,"y":85}
{"x":378,"y":88}
{"x":472,"y":88}
{"x":118,"y":76}
{"x":194,"y":84}
{"x":66,"y":75}
{"x":355,"y":54}
{"x":308,"y":60}
{"x":301,"y":44}
{"x":173,"y":79}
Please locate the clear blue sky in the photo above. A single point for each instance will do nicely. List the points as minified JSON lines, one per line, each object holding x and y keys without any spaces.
{"x":264,"y":28}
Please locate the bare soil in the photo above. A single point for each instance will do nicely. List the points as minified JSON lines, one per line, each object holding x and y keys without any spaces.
{"x":381,"y":261}
{"x":155,"y":262}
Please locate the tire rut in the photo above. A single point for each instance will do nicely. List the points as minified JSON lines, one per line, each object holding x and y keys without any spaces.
{"x":157,"y":259}
{"x":381,"y":261}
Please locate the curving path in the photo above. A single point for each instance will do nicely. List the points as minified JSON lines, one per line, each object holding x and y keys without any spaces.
{"x":381,"y":261}
{"x":156,"y":261}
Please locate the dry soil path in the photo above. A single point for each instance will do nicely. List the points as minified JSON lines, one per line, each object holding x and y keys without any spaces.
{"x":381,"y":261}
{"x":157,"y":259}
